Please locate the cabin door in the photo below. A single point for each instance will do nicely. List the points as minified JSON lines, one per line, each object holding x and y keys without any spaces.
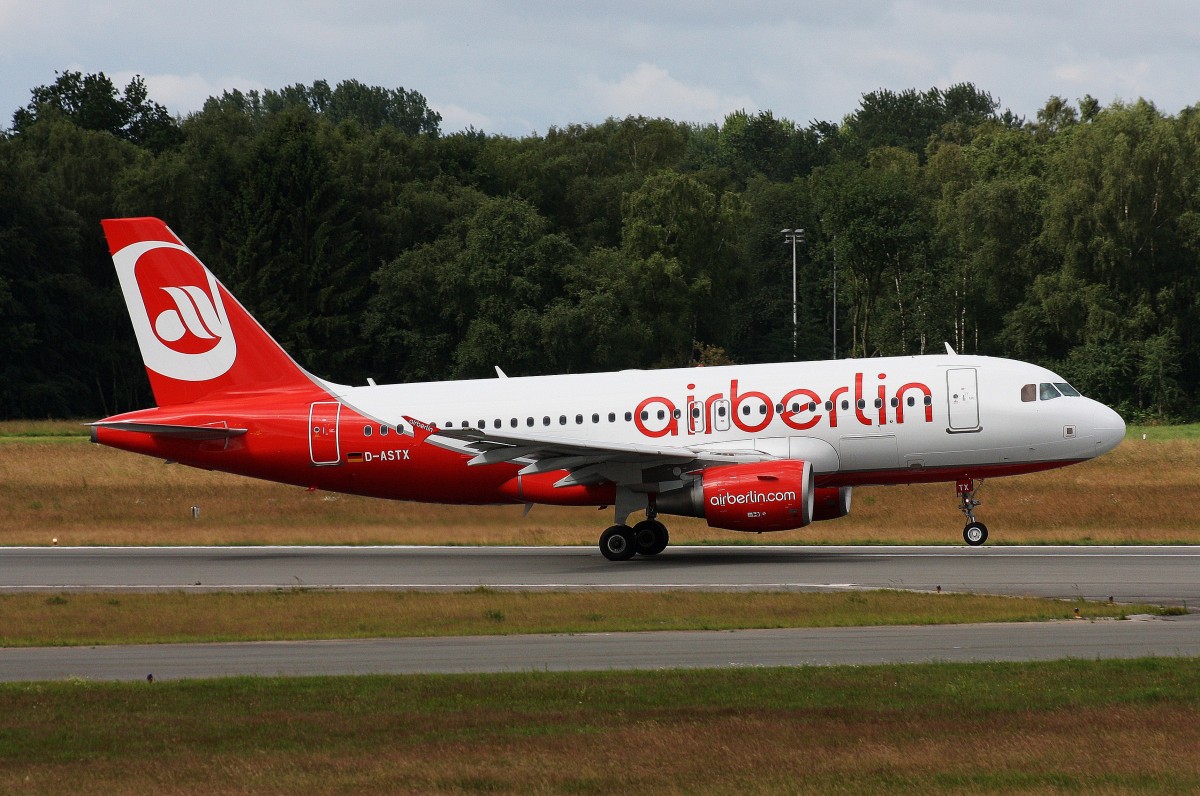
{"x":323,"y":432}
{"x":962,"y":392}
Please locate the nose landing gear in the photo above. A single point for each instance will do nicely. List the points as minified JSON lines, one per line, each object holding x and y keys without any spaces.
{"x":975,"y":533}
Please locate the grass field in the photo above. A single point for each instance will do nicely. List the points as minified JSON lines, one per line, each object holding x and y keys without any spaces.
{"x":94,"y":619}
{"x":55,"y":485}
{"x":1072,"y":726}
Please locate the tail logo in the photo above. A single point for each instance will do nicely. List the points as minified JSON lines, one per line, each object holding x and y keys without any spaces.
{"x":194,"y":313}
{"x":177,"y":311}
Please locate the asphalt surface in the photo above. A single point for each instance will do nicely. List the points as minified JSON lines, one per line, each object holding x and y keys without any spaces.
{"x":604,"y":651}
{"x":1161,"y":575}
{"x":1165,"y":575}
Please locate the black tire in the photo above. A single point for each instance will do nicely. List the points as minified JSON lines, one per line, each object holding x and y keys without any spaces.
{"x":650,"y":537}
{"x":617,"y":544}
{"x":975,"y":534}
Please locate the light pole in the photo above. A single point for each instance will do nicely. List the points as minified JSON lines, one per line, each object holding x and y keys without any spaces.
{"x":835,"y":296}
{"x":793,"y":236}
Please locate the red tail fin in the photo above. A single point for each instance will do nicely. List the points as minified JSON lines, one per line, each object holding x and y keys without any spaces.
{"x":197,"y":341}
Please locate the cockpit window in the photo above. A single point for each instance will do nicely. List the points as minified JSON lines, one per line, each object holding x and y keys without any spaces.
{"x":1028,"y":393}
{"x":1047,"y":391}
{"x":1066,"y":389}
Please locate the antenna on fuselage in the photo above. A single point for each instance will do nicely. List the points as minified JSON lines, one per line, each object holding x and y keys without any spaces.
{"x":950,"y":350}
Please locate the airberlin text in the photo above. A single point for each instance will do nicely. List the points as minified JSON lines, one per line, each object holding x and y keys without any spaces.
{"x":799,"y":409}
{"x":727,"y":499}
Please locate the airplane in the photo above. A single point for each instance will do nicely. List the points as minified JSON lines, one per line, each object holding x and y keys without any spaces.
{"x":753,"y":448}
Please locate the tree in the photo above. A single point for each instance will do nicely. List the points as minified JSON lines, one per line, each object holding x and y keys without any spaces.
{"x":683,"y":221}
{"x":908,"y":119}
{"x":877,"y":219}
{"x":94,"y":103}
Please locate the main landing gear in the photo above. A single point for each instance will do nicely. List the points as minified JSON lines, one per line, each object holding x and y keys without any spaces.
{"x":621,"y":543}
{"x":975,"y":533}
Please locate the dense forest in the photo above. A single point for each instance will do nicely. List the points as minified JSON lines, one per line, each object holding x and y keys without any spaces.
{"x":372,"y":244}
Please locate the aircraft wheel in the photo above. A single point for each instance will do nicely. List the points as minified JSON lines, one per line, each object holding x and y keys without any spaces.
{"x":975,"y":533}
{"x":650,"y":537}
{"x":617,"y":543}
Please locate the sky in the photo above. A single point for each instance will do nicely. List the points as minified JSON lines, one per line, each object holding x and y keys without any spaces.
{"x":517,"y":68}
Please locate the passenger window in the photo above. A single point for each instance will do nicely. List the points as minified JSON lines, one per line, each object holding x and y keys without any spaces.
{"x":912,"y":401}
{"x":746,"y":409}
{"x":812,"y":406}
{"x":762,"y":409}
{"x":629,"y":416}
{"x":399,"y":428}
{"x":661,"y":414}
{"x":366,"y":431}
{"x":546,"y":420}
{"x":845,"y":405}
{"x":1047,"y":392}
{"x":878,"y":403}
{"x":1029,"y":393}
{"x":562,"y":420}
{"x":383,"y":430}
{"x":895,"y":402}
{"x":579,"y":420}
{"x":928,"y":400}
{"x":529,"y":421}
{"x":829,"y":406}
{"x":612,"y":417}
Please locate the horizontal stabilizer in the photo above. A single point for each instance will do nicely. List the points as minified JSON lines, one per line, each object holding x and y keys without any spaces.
{"x":196,"y":433}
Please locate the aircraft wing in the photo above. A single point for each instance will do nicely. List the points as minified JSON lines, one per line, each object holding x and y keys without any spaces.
{"x":587,"y":461}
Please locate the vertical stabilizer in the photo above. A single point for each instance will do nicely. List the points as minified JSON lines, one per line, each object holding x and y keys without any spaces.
{"x":196,"y":340}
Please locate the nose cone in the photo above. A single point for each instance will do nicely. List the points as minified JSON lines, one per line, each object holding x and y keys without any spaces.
{"x":1107,"y":427}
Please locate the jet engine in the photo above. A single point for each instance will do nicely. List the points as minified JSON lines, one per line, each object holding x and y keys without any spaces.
{"x":764,"y":496}
{"x":831,"y":502}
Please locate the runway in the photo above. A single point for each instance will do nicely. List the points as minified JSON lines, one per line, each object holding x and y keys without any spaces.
{"x":1085,"y":640}
{"x":1162,"y":575}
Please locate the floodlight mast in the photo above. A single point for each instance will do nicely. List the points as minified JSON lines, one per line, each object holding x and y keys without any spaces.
{"x":793,"y":236}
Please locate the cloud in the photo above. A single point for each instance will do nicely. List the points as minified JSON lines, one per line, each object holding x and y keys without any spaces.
{"x":184,"y":94}
{"x":650,"y":90}
{"x":456,"y":118}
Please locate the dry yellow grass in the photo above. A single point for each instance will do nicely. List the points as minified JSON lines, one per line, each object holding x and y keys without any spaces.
{"x":83,"y":494}
{"x":89,"y":619}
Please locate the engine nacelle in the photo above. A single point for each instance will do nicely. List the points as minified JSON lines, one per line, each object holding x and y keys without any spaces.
{"x":831,"y":502}
{"x":764,"y":496}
